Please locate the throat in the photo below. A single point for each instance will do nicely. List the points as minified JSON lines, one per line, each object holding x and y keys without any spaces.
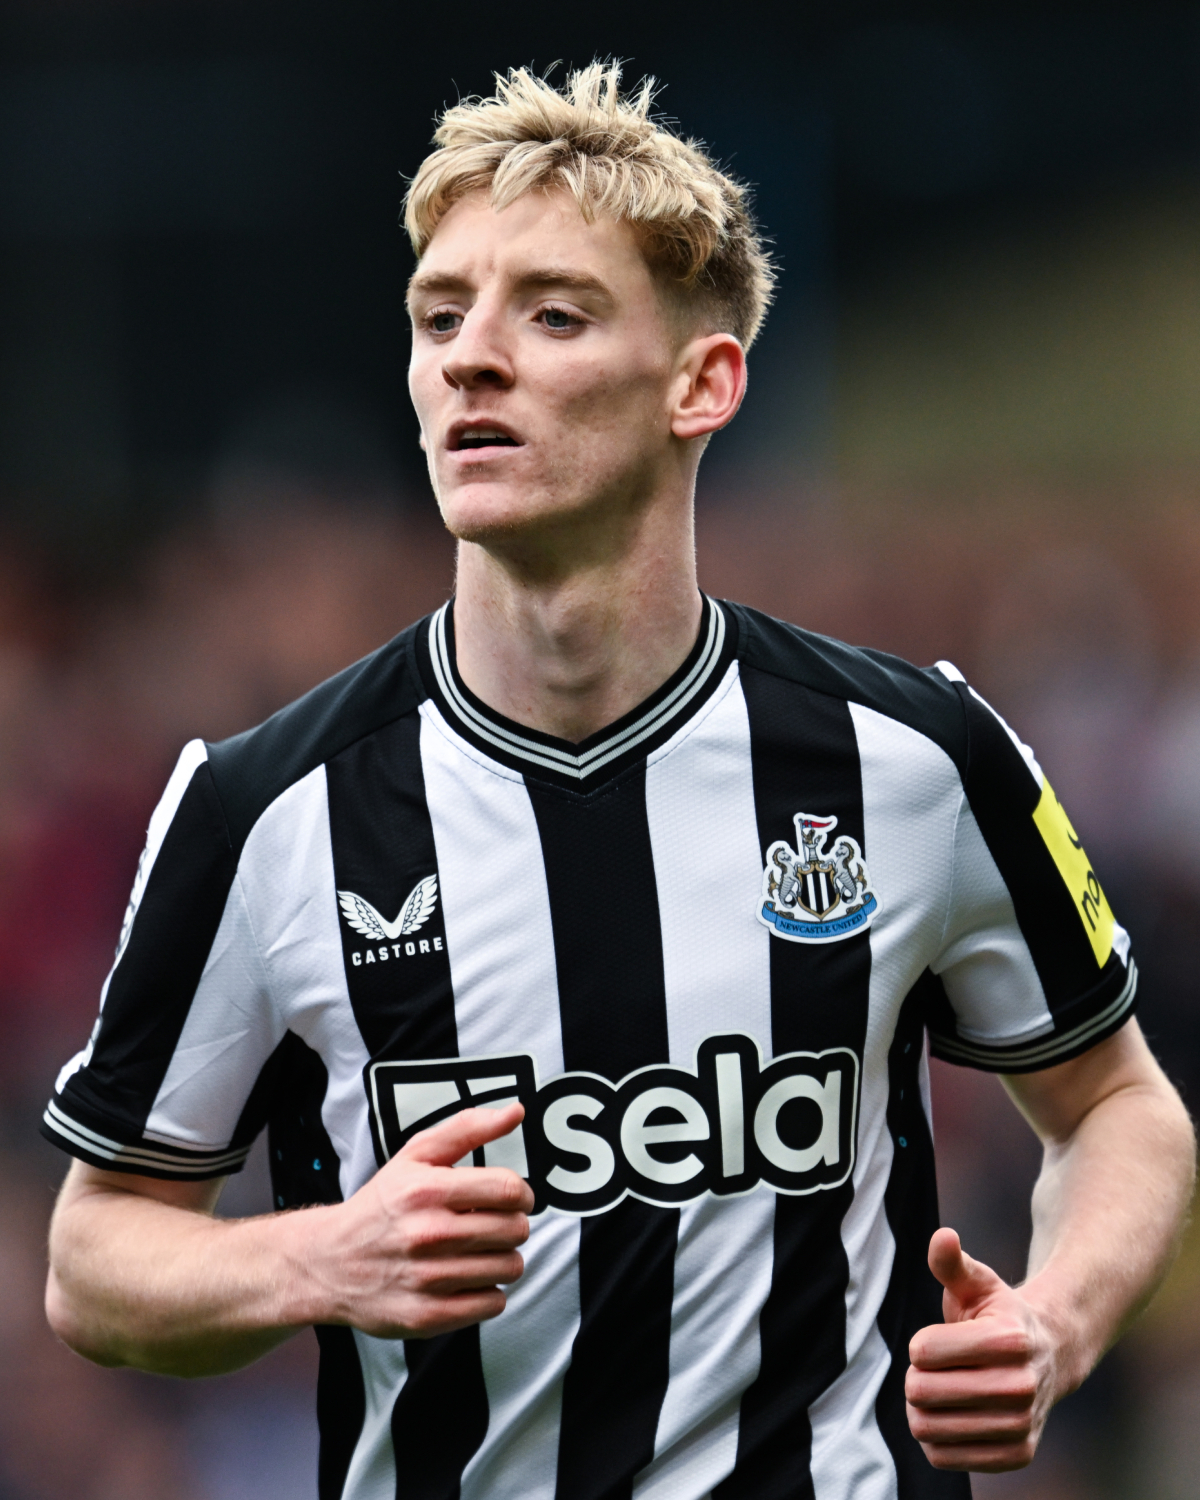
{"x":566,"y":670}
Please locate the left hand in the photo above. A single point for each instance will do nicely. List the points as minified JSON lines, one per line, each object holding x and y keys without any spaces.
{"x":980,"y":1385}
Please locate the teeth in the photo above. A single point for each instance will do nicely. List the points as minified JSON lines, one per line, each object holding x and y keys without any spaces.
{"x":476,"y":437}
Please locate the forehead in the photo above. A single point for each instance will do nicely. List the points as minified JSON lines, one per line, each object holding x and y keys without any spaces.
{"x":538,"y":233}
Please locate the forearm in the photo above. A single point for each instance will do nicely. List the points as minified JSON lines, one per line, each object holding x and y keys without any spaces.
{"x":142,"y":1274}
{"x":134,"y":1281}
{"x":1108,"y":1210}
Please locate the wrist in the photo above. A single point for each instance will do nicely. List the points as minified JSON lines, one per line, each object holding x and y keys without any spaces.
{"x":1073,"y":1343}
{"x":302,"y":1293}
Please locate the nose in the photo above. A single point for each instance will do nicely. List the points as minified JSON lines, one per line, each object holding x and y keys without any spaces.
{"x":478,"y":357}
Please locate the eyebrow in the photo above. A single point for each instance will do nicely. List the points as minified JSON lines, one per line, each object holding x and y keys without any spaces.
{"x":431,"y":283}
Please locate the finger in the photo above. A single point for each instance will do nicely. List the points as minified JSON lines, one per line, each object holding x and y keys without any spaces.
{"x":1004,"y":1389}
{"x":462,"y":1189}
{"x":978,"y":1342}
{"x":430,"y":1316}
{"x":442,"y":1145}
{"x":472,"y":1274}
{"x":982,"y":1457}
{"x":436,"y":1232}
{"x":956,"y":1428}
{"x":968,"y":1281}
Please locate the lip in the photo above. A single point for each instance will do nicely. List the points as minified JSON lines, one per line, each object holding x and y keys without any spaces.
{"x":456,"y":430}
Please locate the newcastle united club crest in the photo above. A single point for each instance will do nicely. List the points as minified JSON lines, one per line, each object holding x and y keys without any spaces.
{"x":811,"y":894}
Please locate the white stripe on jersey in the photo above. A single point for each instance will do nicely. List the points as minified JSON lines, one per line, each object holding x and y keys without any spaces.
{"x":231,"y":1029}
{"x":372,"y":1471}
{"x":717,"y":972}
{"x":287,"y":872}
{"x":850,"y":1460}
{"x":526,"y":1352}
{"x":987,"y":969}
{"x":497,"y":909}
{"x":501,"y":946}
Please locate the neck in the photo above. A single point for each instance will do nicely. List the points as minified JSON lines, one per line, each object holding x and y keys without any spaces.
{"x":568,"y":645}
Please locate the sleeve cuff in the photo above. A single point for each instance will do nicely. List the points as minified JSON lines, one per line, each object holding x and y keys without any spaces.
{"x":1045,"y":1051}
{"x":146,"y":1159}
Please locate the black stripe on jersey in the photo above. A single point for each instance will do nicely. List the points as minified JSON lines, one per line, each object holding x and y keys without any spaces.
{"x":341,"y":1407}
{"x":913,"y":1299}
{"x":603,"y":755}
{"x":612,"y":997}
{"x":305,"y":1170}
{"x":1087,"y":1002}
{"x":383,"y":848}
{"x":819,"y":999}
{"x":921,"y":698}
{"x":103,"y":1108}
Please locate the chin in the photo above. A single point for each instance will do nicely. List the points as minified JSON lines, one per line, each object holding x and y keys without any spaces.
{"x":492,"y":513}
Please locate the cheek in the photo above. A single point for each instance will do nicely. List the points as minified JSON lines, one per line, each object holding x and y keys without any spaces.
{"x":624,"y":405}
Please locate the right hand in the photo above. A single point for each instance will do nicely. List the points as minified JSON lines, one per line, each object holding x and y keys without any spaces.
{"x":424,"y":1247}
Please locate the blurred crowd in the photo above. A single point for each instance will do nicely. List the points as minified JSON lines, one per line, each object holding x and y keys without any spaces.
{"x":1082,"y":628}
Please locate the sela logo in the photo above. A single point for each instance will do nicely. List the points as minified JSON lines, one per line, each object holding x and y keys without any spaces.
{"x":665,"y":1135}
{"x":415,"y":912}
{"x":811,"y":896}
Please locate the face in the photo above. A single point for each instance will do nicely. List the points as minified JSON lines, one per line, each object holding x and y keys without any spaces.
{"x":545,"y":368}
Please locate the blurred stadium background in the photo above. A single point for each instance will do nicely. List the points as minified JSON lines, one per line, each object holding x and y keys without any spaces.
{"x":973,"y":432}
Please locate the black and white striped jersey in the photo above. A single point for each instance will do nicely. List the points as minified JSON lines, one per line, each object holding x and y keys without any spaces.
{"x":704,"y":947}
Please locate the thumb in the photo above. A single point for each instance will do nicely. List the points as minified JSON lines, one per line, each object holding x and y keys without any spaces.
{"x":967,"y":1282}
{"x":442,"y":1145}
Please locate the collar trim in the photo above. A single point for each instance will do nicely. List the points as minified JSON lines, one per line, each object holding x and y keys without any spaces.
{"x":550,"y":755}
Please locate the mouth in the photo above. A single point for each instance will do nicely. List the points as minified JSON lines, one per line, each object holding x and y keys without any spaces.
{"x":480,"y":435}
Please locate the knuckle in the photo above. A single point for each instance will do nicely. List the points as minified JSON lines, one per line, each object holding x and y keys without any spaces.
{"x":494,"y":1304}
{"x":512,"y":1190}
{"x":422,"y":1320}
{"x":420,"y":1234}
{"x":422,"y":1190}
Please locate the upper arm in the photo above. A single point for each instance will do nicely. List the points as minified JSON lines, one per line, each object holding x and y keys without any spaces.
{"x":1056,"y":1100}
{"x":1032,"y":969}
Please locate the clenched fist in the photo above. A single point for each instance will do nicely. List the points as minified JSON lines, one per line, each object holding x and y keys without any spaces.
{"x":980,"y":1385}
{"x":424,"y":1247}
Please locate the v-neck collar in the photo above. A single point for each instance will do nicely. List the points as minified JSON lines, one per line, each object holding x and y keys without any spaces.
{"x":602,"y":755}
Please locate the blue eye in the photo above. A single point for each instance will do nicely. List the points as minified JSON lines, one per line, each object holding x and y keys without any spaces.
{"x":557,"y":318}
{"x":443,"y":322}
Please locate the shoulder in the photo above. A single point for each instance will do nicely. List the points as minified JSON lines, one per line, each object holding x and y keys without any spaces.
{"x":929,"y":700}
{"x":252,"y":769}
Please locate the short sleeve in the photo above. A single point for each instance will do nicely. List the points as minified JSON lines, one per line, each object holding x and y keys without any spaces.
{"x":1033,"y":967}
{"x":166,"y":1085}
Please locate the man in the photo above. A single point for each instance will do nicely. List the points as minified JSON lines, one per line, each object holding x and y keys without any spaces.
{"x":678,"y":892}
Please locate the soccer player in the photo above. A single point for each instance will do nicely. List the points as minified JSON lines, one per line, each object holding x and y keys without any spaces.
{"x":595,"y":917}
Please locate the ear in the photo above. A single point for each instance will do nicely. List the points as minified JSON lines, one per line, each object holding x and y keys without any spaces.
{"x":711,"y":383}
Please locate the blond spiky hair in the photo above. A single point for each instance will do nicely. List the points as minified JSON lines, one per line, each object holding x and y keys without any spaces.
{"x":617,"y":161}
